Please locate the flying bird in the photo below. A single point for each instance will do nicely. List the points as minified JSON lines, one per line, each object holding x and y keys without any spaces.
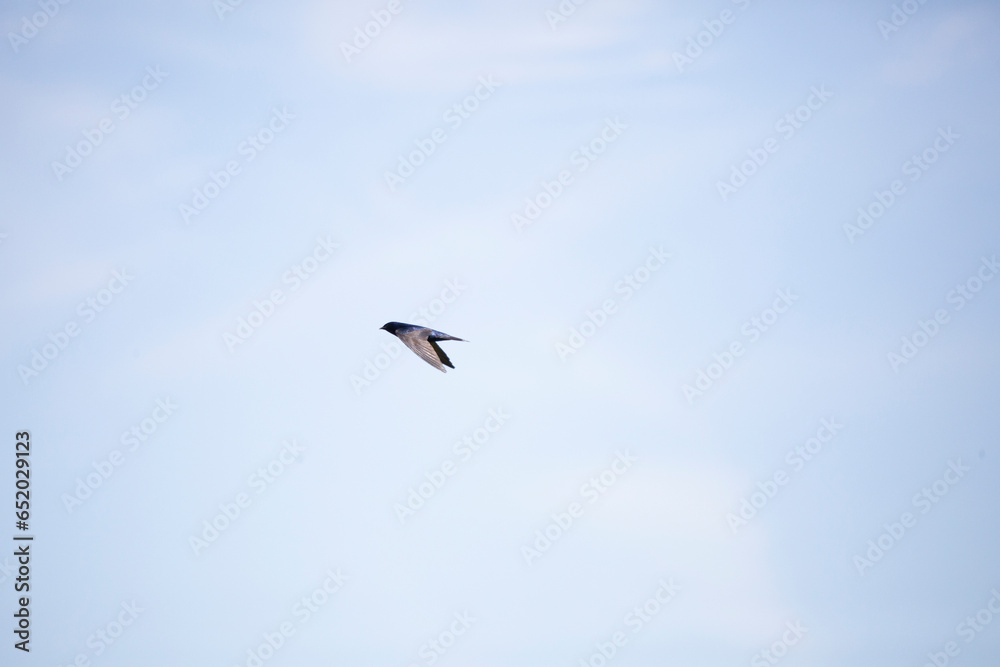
{"x":424,"y":342}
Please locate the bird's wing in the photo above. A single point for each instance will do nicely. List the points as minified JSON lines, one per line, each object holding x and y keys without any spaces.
{"x":441,"y":355}
{"x":417,"y":341}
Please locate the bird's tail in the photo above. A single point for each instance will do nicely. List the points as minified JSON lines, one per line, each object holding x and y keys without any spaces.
{"x":437,"y":336}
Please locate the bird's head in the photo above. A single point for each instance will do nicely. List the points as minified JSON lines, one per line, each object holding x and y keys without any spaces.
{"x":390,"y":327}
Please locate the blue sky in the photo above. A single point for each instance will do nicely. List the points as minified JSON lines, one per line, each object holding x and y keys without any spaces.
{"x":302,"y":441}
